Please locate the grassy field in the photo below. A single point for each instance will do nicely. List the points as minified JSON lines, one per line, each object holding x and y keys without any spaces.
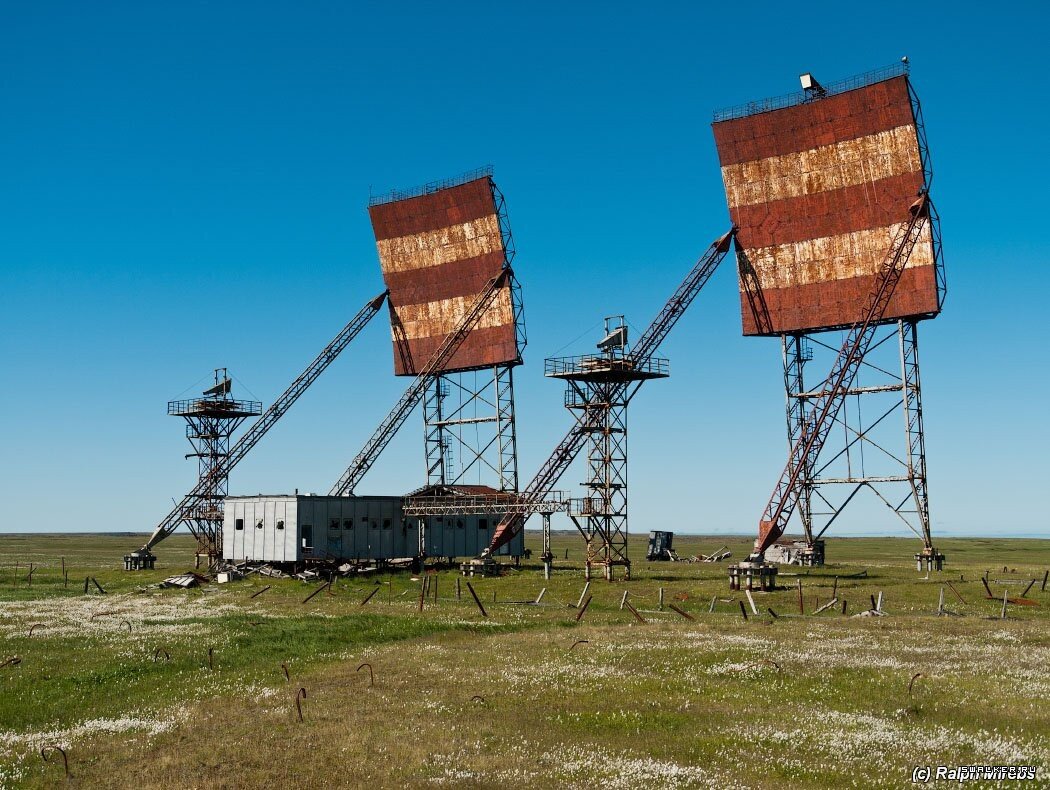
{"x":163,"y":688}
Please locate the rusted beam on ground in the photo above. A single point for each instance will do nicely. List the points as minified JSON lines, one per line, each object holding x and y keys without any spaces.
{"x":682,"y":612}
{"x":320,"y":589}
{"x":827,"y":606}
{"x":634,"y":611}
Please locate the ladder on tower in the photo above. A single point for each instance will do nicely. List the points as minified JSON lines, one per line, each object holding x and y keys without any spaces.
{"x":569,"y":447}
{"x":363,"y":461}
{"x":809,"y":435}
{"x":193,"y":501}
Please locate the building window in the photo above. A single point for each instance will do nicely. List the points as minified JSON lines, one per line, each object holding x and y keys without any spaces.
{"x":259,"y":524}
{"x":364,"y":519}
{"x":386,"y":523}
{"x":333,"y":523}
{"x":483,"y":523}
{"x":238,"y":524}
{"x":348,"y":523}
{"x":459,"y":523}
{"x":280,"y":525}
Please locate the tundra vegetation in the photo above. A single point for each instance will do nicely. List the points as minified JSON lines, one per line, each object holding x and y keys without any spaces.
{"x":205,"y":687}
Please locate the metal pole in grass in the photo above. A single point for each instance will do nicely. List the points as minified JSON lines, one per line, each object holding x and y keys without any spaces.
{"x":801,"y":605}
{"x":371,"y":674}
{"x":952,"y":588}
{"x":300,"y":695}
{"x":60,"y":750}
{"x":586,"y":587}
{"x":1002,"y":616}
{"x":583,"y":609}
{"x":751,"y":600}
{"x":477,"y":600}
{"x":634,"y":611}
{"x":743,"y":610}
{"x":686,"y":614}
{"x":318,"y":590}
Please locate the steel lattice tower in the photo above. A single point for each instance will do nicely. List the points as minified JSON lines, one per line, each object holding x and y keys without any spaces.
{"x":469,"y":428}
{"x":599,"y":386}
{"x":210,"y":421}
{"x":864,"y":458}
{"x":468,"y":415}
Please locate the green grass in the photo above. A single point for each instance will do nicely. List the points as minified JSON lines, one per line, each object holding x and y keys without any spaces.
{"x":804,"y":700}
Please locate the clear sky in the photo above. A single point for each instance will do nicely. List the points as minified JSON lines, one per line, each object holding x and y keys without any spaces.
{"x":183,"y":186}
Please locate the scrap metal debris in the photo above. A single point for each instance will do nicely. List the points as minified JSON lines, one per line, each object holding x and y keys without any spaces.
{"x":185,"y":580}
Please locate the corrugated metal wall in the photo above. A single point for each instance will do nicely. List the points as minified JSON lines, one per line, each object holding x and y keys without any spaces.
{"x":467,"y":536}
{"x":294,"y":528}
{"x":250,"y":529}
{"x":818,"y":190}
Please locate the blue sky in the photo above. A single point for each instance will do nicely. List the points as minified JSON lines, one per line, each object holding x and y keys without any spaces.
{"x":154,"y":153}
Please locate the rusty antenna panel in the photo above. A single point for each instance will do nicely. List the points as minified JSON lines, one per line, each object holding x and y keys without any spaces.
{"x":817,"y":182}
{"x":439,"y":245}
